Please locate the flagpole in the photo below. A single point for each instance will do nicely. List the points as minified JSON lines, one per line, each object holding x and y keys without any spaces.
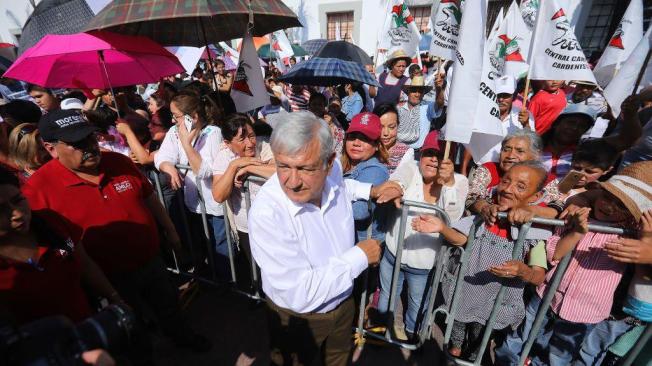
{"x":533,"y":44}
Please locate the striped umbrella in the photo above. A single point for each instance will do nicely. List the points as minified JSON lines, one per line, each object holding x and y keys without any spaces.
{"x":328,"y":71}
{"x":193,"y":23}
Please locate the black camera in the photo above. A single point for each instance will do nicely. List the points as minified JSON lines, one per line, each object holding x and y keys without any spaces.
{"x":57,"y":341}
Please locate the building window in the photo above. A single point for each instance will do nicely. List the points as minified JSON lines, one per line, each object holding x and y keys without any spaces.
{"x":342,"y":21}
{"x":421,"y":15}
{"x":596,"y":31}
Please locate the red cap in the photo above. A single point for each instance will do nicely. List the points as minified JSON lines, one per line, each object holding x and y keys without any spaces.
{"x":432,"y":141}
{"x":367,"y":124}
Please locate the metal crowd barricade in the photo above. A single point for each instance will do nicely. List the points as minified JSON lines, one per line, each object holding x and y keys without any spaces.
{"x":545,"y":303}
{"x":425,"y":326}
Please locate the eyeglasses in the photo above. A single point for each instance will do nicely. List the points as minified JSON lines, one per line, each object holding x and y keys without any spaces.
{"x":83,"y":144}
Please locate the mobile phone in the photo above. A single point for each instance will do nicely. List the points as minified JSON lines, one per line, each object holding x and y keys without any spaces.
{"x":569,"y":181}
{"x":188,"y":121}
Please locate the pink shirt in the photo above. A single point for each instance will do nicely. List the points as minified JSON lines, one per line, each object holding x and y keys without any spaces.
{"x":586,"y":291}
{"x":545,"y":108}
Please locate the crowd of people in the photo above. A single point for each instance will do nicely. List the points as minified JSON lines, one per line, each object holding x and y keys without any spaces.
{"x":82,"y":218}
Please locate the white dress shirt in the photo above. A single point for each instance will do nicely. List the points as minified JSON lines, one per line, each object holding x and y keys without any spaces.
{"x":207,"y":144}
{"x":420,"y":250}
{"x":307,"y":254}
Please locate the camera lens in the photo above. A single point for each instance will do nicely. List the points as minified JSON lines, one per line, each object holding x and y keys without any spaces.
{"x":109,"y":329}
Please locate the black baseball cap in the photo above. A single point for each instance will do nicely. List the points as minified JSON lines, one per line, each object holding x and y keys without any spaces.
{"x":64,"y":125}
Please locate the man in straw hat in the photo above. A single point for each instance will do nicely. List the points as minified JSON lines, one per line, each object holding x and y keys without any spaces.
{"x":415,"y":115}
{"x":586,"y":92}
{"x":392,"y":80}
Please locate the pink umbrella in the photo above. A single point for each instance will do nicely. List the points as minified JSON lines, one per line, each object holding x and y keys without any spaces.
{"x":99,"y":60}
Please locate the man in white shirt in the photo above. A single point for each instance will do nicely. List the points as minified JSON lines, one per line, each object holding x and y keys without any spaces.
{"x":302,"y":237}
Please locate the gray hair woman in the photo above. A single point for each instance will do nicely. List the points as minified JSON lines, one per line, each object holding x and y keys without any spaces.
{"x":520,"y":145}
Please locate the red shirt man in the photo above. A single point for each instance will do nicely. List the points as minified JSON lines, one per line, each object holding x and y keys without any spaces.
{"x":547,"y":104}
{"x":110,"y":208}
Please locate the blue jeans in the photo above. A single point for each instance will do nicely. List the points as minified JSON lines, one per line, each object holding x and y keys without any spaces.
{"x":598,"y":340}
{"x":558,"y":338}
{"x":509,"y":352}
{"x":418,"y":281}
{"x":218,"y":236}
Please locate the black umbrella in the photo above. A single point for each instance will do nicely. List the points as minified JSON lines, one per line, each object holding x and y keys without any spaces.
{"x":344,"y":51}
{"x":54,"y":17}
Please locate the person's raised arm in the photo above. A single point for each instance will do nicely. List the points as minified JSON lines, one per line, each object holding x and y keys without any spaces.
{"x":432,"y":224}
{"x":143,"y":156}
{"x":578,"y":220}
{"x":631,"y":128}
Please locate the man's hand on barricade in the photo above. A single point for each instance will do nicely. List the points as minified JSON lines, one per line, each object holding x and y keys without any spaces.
{"x":372,"y":249}
{"x":519,"y":216}
{"x":428,"y":224}
{"x":386,"y":192}
{"x":634,"y":250}
{"x":446,"y":173}
{"x":577,"y":218}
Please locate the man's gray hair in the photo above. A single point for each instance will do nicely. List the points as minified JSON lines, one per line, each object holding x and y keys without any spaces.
{"x":539,"y":168}
{"x":536,"y":144}
{"x":293,"y":134}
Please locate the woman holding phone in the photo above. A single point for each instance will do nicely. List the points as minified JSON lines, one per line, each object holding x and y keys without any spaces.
{"x":194,"y":141}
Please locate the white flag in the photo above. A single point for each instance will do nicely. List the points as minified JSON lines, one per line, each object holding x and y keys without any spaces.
{"x":400,"y":31}
{"x":248,"y":91}
{"x":188,"y":56}
{"x":555,"y":53}
{"x":446,"y":18}
{"x":621,"y":44}
{"x":497,"y":22}
{"x":509,"y":49}
{"x":623,"y":85}
{"x":529,"y":9}
{"x":472,"y":117}
{"x":280,"y":45}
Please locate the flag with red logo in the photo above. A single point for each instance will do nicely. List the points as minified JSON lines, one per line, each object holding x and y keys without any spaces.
{"x":555,"y":53}
{"x":621,"y":44}
{"x":446,"y":18}
{"x":400,"y":30}
{"x":509,"y":49}
{"x":248,"y":91}
{"x":280,"y":45}
{"x":622,"y":86}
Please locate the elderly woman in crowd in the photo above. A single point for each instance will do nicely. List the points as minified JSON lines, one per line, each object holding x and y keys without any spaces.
{"x":363,"y":160}
{"x":428,"y":179}
{"x":494,"y":260}
{"x":242,"y":154}
{"x":26,"y":150}
{"x":518,"y":146}
{"x":194,"y":141}
{"x":389,"y":122}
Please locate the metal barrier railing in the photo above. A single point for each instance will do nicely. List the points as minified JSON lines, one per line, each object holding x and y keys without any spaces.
{"x":425,"y":326}
{"x":545,"y":303}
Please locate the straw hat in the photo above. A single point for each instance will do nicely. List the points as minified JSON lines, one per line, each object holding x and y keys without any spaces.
{"x":396,"y":56}
{"x":416,"y":82}
{"x":633,"y":187}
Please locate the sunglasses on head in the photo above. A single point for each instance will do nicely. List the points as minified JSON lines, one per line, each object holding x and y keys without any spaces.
{"x":26,"y":130}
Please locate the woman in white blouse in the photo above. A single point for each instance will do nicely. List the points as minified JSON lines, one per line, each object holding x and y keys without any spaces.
{"x":430,"y":180}
{"x":241,"y":155}
{"x":195,"y":142}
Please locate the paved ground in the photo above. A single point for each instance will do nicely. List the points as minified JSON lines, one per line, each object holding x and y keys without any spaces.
{"x":236,"y":324}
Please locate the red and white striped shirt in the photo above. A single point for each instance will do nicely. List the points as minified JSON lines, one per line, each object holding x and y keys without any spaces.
{"x":586,"y":291}
{"x":558,"y":165}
